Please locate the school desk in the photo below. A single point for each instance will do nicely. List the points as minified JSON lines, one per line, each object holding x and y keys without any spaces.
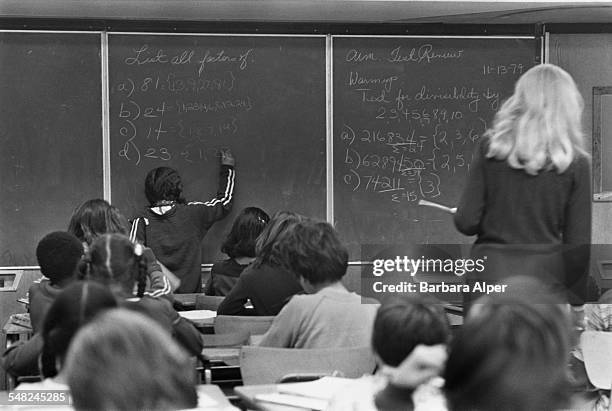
{"x":211,"y":397}
{"x":248,"y":393}
{"x":184,"y":302}
{"x":200,"y":318}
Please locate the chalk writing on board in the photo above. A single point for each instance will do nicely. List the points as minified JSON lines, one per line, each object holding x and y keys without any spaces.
{"x":412,"y":136}
{"x":173,"y":98}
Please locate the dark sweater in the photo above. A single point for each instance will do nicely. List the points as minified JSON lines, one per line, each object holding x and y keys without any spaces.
{"x":223,"y":276}
{"x":503,"y":205}
{"x":531,"y":225}
{"x":269,"y":289}
{"x":41,"y":296}
{"x":175,"y":236}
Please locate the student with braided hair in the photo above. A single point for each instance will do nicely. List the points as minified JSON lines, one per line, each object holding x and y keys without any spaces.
{"x":96,"y":217}
{"x":118,"y":263}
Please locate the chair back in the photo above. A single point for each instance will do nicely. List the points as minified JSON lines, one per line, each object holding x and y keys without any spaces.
{"x":597,"y":353}
{"x":265,"y":365}
{"x":208,"y":302}
{"x":235,"y":339}
{"x":226,"y":324}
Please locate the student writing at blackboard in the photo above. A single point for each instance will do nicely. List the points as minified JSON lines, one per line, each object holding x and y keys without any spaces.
{"x":528,"y":196}
{"x":175,"y":228}
{"x":239,"y":245}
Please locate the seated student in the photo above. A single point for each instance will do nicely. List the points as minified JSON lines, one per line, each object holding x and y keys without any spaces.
{"x":405,"y":330}
{"x":175,"y":228}
{"x":239,"y":245}
{"x":329,"y":316}
{"x":265,"y":282}
{"x":126,"y":361}
{"x":58,"y":255}
{"x":510,"y":355}
{"x":74,"y":307}
{"x":96,"y":217}
{"x":115,"y":261}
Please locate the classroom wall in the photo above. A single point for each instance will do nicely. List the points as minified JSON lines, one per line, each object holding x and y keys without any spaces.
{"x":588,"y":58}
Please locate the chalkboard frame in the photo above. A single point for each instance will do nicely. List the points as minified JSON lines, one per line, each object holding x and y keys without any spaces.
{"x":599,"y":193}
{"x":536,"y":35}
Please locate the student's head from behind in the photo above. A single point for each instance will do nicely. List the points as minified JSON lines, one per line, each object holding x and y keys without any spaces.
{"x":94,"y":218}
{"x":126,"y":361}
{"x":401,"y":324}
{"x":272,"y":234}
{"x":511,"y":354}
{"x":248,"y":225}
{"x":539,"y":126}
{"x":314,"y":253}
{"x":76,"y":305}
{"x":58,"y":254}
{"x":163,"y":184}
{"x":115,"y":261}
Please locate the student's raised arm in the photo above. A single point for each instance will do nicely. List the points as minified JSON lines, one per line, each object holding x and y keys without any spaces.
{"x":220,"y":206}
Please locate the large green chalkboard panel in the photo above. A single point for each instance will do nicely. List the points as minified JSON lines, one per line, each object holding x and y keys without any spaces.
{"x":408,"y":113}
{"x":50,"y":135}
{"x":178,"y":100}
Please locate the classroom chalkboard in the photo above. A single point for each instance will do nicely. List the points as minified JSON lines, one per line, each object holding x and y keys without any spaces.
{"x":407,"y":114}
{"x":177,"y":100}
{"x":50,"y":135}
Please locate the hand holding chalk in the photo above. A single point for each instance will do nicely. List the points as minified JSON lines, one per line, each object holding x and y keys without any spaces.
{"x":438,"y":206}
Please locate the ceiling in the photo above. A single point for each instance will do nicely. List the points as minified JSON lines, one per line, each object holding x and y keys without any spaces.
{"x":328,"y":11}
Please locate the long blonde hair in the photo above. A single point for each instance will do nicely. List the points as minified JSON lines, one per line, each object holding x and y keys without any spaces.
{"x":539,"y":127}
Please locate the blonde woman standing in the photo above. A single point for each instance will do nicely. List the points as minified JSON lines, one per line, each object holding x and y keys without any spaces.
{"x":528,"y":196}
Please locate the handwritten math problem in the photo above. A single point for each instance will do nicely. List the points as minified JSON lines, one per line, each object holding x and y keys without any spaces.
{"x":181,"y":84}
{"x":408,"y":115}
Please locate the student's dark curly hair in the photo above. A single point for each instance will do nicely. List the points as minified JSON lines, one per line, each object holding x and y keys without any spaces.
{"x":240,"y":242}
{"x":163,"y":184}
{"x":312,"y":250}
{"x":114,"y":260}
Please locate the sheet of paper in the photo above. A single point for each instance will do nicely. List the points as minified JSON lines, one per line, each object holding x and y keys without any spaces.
{"x":198,"y":314}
